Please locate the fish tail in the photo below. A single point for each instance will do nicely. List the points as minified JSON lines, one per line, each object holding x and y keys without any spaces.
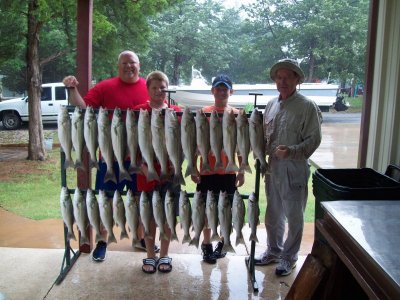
{"x":194,"y":242}
{"x":215,"y":237}
{"x":98,"y":238}
{"x":135,"y":239}
{"x":110,"y":176}
{"x":147,"y":235}
{"x":253,"y":237}
{"x":231,"y":167}
{"x":263,"y":166}
{"x":163,"y":175}
{"x":133,"y":169}
{"x":111,"y":238}
{"x":178,"y":179}
{"x":239,"y":239}
{"x":245,"y":167}
{"x":124,"y":235}
{"x":205,"y":167}
{"x":164,"y":236}
{"x":190,"y":170}
{"x":79,"y":164}
{"x":71,"y":235}
{"x":174,"y":237}
{"x":84,"y":239}
{"x":186,"y":239}
{"x":218,"y":166}
{"x":152,"y":175}
{"x":124,"y":175}
{"x":228,"y":248}
{"x":134,"y":234}
{"x":68,"y":164}
{"x":93,"y":164}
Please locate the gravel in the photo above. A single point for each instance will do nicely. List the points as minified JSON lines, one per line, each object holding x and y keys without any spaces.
{"x":21,"y":136}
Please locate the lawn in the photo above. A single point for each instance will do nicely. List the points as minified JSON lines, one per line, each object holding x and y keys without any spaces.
{"x":34,"y":190}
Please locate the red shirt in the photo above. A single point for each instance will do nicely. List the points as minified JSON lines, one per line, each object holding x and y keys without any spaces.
{"x":147,"y":106}
{"x":141,"y":181}
{"x":113,"y":92}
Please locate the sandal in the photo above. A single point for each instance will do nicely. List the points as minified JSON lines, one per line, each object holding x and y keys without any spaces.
{"x":165,"y":261}
{"x":150,"y":262}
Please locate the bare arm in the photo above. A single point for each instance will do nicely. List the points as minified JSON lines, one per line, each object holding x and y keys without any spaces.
{"x":74,"y":97}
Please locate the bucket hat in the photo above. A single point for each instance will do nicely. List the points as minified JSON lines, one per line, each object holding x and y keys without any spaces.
{"x":287,"y":63}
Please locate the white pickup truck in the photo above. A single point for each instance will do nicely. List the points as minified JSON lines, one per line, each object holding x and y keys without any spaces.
{"x":14,"y":112}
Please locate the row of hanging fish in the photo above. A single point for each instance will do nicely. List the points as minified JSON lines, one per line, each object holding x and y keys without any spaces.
{"x":161,"y":137}
{"x":87,"y":210}
{"x":218,"y":212}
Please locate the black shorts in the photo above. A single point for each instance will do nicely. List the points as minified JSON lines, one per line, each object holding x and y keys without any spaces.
{"x":217,"y":183}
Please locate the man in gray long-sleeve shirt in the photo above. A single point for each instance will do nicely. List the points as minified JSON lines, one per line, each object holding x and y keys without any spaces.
{"x":292,"y":131}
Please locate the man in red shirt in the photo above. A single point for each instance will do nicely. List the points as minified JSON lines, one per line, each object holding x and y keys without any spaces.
{"x":127,"y":90}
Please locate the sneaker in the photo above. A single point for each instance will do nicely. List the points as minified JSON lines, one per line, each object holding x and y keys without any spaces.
{"x":142,"y":246}
{"x":208,"y":254}
{"x":99,"y":253}
{"x":285,"y":267}
{"x":218,"y":250}
{"x":267,"y":258}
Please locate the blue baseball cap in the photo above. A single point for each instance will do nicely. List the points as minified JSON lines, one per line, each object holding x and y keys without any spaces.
{"x":222,"y":79}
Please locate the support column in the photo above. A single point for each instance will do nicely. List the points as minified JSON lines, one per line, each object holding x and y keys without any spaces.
{"x":84,"y":76}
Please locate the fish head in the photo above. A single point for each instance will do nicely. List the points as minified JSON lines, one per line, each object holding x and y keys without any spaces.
{"x":130,"y":113}
{"x":77,"y":110}
{"x":143,"y":114}
{"x":255,"y":115}
{"x":242,"y":116}
{"x":214,"y":118}
{"x":64,"y":196}
{"x":89,"y":114}
{"x":199,"y":114}
{"x":103,"y":115}
{"x":117,"y":115}
{"x":252,"y":197}
{"x":187,"y":111}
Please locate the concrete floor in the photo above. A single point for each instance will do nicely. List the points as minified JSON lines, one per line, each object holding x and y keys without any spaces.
{"x":31,"y":255}
{"x":120,"y":276}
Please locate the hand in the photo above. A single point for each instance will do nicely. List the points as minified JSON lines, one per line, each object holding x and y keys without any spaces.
{"x":282,"y":152}
{"x":70,"y":81}
{"x":239,"y":180}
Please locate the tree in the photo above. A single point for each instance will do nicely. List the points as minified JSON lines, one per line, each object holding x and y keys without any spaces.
{"x":59,"y":38}
{"x":193,"y":33}
{"x":329,"y":36}
{"x":36,"y":150}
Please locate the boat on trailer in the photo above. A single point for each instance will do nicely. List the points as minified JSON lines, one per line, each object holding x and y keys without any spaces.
{"x":196,"y":96}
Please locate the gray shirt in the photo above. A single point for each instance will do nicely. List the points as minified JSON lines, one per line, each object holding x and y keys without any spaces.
{"x":294,"y":122}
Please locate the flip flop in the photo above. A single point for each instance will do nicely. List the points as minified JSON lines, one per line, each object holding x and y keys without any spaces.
{"x":165,"y":261}
{"x":150,"y":262}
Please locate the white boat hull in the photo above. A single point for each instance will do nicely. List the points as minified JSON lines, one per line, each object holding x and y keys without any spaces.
{"x":324,"y":95}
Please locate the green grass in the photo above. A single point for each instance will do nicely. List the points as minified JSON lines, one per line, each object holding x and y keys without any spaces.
{"x":355,"y":103}
{"x":31,"y":195}
{"x":37,"y":196}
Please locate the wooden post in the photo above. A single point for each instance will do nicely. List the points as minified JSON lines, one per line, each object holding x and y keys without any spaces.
{"x":84,"y":76}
